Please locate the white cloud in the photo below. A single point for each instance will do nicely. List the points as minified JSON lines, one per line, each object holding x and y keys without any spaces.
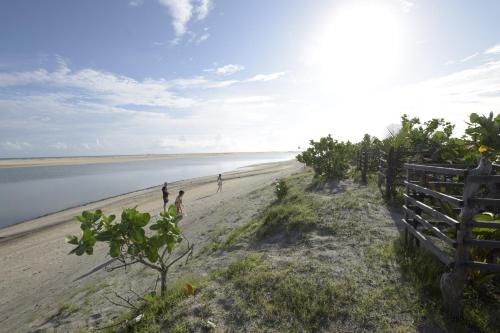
{"x":493,"y":50}
{"x":14,"y":145}
{"x":59,"y":146}
{"x":113,"y":89}
{"x":265,"y":77}
{"x":181,"y":12}
{"x":406,"y":5}
{"x":199,"y":82}
{"x":135,"y":3}
{"x":472,"y":56}
{"x":243,"y":100}
{"x":203,"y":38}
{"x":229,"y":69}
{"x":203,"y":8}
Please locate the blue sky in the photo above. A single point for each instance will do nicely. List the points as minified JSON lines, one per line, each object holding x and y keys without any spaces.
{"x":170,"y":76}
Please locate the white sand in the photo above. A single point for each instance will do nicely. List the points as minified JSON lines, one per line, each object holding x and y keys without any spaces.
{"x":37,"y":276}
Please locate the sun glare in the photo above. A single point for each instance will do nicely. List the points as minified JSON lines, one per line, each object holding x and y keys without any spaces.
{"x":358,"y":46}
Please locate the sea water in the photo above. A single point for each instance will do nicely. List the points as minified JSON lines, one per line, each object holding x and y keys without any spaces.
{"x":29,"y":192}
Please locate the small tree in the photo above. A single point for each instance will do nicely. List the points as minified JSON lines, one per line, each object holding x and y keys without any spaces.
{"x":128,"y":242}
{"x":328,"y":157}
{"x":281,"y":189}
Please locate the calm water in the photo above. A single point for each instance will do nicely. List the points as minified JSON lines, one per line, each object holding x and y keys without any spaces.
{"x":26,"y":193}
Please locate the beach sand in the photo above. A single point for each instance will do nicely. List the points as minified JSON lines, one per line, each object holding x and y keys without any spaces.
{"x":59,"y":161}
{"x":42,"y":287}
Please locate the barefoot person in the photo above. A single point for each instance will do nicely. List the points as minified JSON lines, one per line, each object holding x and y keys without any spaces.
{"x":165,"y":196}
{"x":178,"y":203}
{"x":219,"y":183}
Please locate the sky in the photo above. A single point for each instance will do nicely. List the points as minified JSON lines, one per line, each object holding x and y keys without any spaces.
{"x":109,"y":77}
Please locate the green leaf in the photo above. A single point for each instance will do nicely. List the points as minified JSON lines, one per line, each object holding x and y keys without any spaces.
{"x":172,"y":210}
{"x":137,"y":235}
{"x":80,"y":218}
{"x":79,"y":250}
{"x":152,"y":253}
{"x":104,"y":236}
{"x":88,"y":237}
{"x":142,"y":219}
{"x":71,"y":239}
{"x":114,"y":249}
{"x":155,"y":226}
{"x":485,"y":217}
{"x":89,"y":250}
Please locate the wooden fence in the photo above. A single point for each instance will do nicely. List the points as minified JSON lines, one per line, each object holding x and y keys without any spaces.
{"x":441,"y":207}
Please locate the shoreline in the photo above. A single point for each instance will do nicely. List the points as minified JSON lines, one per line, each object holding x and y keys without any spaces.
{"x":138,"y":191}
{"x":19,"y":229}
{"x":83,"y":160}
{"x":34,"y":254}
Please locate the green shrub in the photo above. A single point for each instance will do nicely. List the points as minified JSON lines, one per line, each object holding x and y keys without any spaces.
{"x":328,"y":157}
{"x":281,"y":189}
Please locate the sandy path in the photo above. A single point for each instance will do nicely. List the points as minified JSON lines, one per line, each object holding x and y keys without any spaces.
{"x":37,"y":275}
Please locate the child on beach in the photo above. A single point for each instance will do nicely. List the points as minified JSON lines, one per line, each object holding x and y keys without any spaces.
{"x":219,"y":183}
{"x":178,"y":203}
{"x":165,"y":196}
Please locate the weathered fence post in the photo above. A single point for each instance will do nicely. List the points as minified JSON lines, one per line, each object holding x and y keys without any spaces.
{"x":452,"y":284}
{"x":407,"y":204}
{"x":389,"y":176}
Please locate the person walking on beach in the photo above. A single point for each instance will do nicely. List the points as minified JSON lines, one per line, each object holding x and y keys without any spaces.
{"x":219,"y":183}
{"x":164,"y":190}
{"x":178,"y":203}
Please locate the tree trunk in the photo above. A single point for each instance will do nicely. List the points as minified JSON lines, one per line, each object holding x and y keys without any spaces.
{"x":163,"y":284}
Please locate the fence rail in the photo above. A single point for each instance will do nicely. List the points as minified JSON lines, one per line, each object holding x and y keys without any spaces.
{"x":458,"y":235}
{"x":441,"y":202}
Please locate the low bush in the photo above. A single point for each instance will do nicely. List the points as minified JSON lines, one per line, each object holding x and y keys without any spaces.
{"x":328,"y":157}
{"x":281,"y":189}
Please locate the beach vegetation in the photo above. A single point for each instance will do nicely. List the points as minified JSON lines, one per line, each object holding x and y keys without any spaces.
{"x":128,"y":241}
{"x":281,"y":189}
{"x":328,"y":157}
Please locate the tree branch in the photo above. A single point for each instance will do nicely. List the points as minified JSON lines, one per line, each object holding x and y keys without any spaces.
{"x":189,"y":249}
{"x":142,"y":261}
{"x":125,"y":264}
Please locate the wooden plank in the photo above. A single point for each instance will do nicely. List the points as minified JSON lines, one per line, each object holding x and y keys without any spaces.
{"x":481,"y":266}
{"x":447,"y":165}
{"x":495,"y":225}
{"x":438,"y":195}
{"x":428,"y":244}
{"x":433,"y":212}
{"x":483,"y":243}
{"x":440,"y":170}
{"x":447,"y":184}
{"x":429,"y":226}
{"x":485,"y":202}
{"x":484,"y":179}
